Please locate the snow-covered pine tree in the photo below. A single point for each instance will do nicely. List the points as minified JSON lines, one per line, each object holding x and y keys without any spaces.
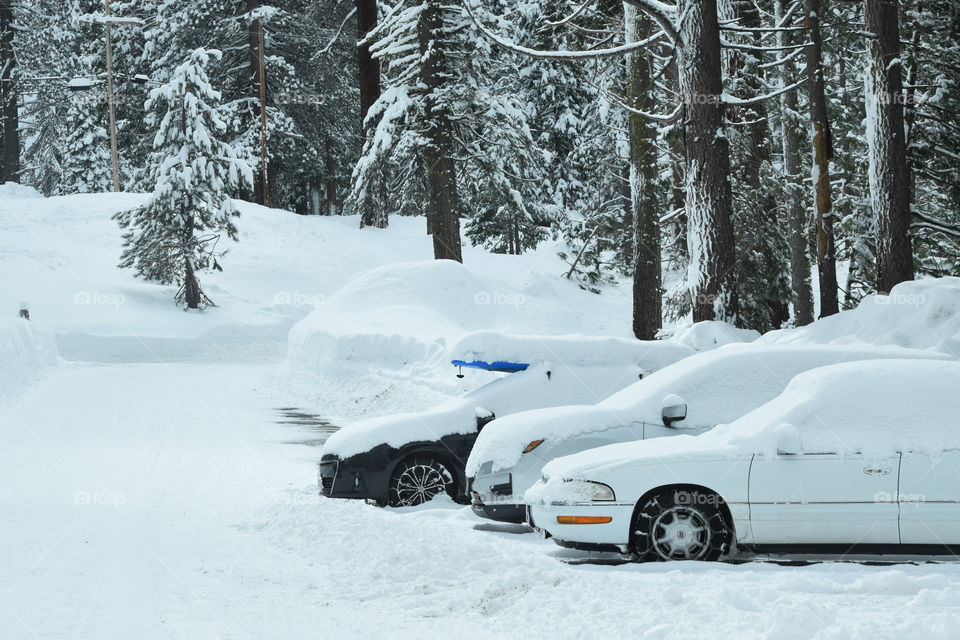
{"x":176,"y":233}
{"x":86,"y":164}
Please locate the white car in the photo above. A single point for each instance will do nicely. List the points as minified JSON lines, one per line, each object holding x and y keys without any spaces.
{"x":408,"y":459}
{"x":858,"y":454}
{"x":688,"y":397}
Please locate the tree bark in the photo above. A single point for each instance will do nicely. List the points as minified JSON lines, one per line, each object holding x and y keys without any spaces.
{"x":263,"y":177}
{"x":647,"y":286}
{"x":889,"y":176}
{"x":9,"y":97}
{"x":443,"y":205}
{"x":709,"y":201}
{"x":368,"y":67}
{"x":794,"y":211}
{"x":822,"y":153}
{"x":369,"y":80}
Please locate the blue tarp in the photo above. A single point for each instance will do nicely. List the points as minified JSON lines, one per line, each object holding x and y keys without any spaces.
{"x":498,"y":365}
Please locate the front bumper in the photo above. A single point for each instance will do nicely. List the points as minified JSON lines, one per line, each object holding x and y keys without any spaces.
{"x":491,"y":496}
{"x":616,"y":532}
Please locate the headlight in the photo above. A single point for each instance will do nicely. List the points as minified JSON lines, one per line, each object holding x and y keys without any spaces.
{"x":533,"y":445}
{"x":593,"y":491}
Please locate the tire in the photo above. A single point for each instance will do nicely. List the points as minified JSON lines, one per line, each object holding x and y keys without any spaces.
{"x":681,"y":524}
{"x":420,"y":479}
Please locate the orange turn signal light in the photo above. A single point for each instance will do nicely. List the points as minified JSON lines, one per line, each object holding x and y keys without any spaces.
{"x":533,"y":445}
{"x":583,"y":519}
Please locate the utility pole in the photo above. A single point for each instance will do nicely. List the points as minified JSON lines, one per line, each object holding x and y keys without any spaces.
{"x":264,"y":152}
{"x":111,"y":99}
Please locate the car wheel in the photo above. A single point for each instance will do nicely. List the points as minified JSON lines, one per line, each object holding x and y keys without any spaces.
{"x":418,"y":480}
{"x":681,"y":524}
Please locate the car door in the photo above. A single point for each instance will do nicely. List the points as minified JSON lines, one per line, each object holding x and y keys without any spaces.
{"x":823,"y":498}
{"x":930,"y":498}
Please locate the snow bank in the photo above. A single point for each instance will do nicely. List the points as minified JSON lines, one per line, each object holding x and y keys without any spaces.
{"x":875,"y":408}
{"x":569,"y":349}
{"x":718,"y":387}
{"x":424,"y":312}
{"x":709,"y":334}
{"x":25,"y":349}
{"x":923,"y":314}
{"x":15,"y":191}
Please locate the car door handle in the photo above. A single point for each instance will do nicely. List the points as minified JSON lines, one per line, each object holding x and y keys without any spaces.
{"x":877,"y":471}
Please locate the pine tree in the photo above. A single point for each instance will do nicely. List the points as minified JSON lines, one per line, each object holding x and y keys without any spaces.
{"x":176,"y":233}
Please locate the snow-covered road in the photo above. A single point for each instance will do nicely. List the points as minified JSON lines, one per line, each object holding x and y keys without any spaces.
{"x":178,"y":508}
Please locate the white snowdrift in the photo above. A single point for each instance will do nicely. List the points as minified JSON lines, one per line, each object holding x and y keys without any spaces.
{"x":718,"y":387}
{"x":875,"y":408}
{"x":923,"y":314}
{"x":25,"y":349}
{"x":15,"y":191}
{"x":416,"y":312}
{"x":709,"y":334}
{"x":573,"y":375}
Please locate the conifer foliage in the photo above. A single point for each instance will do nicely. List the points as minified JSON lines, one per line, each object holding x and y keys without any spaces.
{"x":177,"y":232}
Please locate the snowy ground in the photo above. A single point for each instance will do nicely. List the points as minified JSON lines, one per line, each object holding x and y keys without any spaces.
{"x":147,"y":494}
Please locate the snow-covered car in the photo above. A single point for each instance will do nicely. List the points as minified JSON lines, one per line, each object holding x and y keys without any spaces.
{"x":862,"y":453}
{"x":407,"y":459}
{"x":688,"y":397}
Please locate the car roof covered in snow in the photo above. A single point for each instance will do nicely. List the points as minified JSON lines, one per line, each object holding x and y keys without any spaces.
{"x":718,"y":386}
{"x":875,"y":408}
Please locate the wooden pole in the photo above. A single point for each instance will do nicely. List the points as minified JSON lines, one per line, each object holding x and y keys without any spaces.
{"x":264,"y":153}
{"x":111,"y":99}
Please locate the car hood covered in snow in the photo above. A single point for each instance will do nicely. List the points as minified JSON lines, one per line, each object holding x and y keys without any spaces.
{"x":874,"y":408}
{"x":563,"y":369}
{"x":718,"y":386}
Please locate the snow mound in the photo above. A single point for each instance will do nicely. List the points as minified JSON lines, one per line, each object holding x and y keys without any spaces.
{"x":15,"y":191}
{"x":923,"y":314}
{"x":572,"y":350}
{"x":875,"y":408}
{"x":415,"y":313}
{"x":25,"y":349}
{"x":709,"y":334}
{"x":718,"y":387}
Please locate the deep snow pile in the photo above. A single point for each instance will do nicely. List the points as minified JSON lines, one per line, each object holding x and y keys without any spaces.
{"x":876,"y":408}
{"x":717,"y":387}
{"x":25,"y":349}
{"x":922,"y":314}
{"x":708,"y":334}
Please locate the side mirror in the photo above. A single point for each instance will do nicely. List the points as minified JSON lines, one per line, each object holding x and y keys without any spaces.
{"x":484,"y":417}
{"x":674,"y":410}
{"x":788,"y":441}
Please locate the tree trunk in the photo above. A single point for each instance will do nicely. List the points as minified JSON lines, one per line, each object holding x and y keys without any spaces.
{"x":889,"y":178}
{"x":331,"y":186}
{"x":647,"y":288}
{"x":709,"y":201}
{"x":822,"y":152}
{"x":369,"y":80}
{"x":10,"y":170}
{"x":443,"y":205}
{"x":794,"y":212}
{"x":368,"y":67}
{"x":191,"y":287}
{"x":262,"y":178}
